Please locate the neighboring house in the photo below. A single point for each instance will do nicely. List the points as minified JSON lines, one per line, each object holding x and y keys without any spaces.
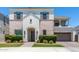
{"x":6,"y":25}
{"x":32,"y":22}
{"x":3,"y":27}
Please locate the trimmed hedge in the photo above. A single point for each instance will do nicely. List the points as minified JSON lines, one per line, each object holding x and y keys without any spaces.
{"x":48,"y":38}
{"x":13,"y":38}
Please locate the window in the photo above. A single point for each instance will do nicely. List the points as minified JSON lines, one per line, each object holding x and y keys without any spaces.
{"x":56,"y":24}
{"x":30,"y":21}
{"x":18,"y":15}
{"x":44,"y":15}
{"x":44,"y":32}
{"x":18,"y":32}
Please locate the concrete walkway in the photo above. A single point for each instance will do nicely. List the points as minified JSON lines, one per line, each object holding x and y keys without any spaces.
{"x":28,"y":44}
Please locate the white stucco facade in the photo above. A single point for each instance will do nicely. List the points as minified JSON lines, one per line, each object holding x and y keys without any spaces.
{"x":27,"y":25}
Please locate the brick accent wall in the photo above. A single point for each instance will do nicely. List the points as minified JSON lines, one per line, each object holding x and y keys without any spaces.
{"x":48,"y":26}
{"x":14,"y":25}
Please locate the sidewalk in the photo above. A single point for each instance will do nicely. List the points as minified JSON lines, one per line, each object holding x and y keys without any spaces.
{"x":30,"y":49}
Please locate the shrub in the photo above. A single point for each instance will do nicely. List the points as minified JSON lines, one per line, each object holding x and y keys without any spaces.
{"x":41,"y":38}
{"x":21,"y":41}
{"x":38,"y":41}
{"x":54,"y":39}
{"x":16,"y":41}
{"x":8,"y":41}
{"x":13,"y":38}
{"x":8,"y":37}
{"x":45,"y":41}
{"x":48,"y":38}
{"x":18,"y":38}
{"x":50,"y":42}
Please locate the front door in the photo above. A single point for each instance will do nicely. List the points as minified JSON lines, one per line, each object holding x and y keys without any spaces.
{"x":31,"y":35}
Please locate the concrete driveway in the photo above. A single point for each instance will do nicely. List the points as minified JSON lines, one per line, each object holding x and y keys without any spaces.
{"x":68,"y":47}
{"x":69,"y":44}
{"x":72,"y":46}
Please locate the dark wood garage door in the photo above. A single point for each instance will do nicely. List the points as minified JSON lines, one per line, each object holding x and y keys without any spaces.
{"x":63,"y":36}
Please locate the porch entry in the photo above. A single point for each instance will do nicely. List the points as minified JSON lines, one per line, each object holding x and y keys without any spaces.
{"x":31,"y":34}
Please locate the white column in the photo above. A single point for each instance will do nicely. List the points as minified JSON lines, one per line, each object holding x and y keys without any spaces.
{"x":73,"y":36}
{"x":59,"y":23}
{"x":37,"y":35}
{"x":78,"y":37}
{"x":25,"y":36}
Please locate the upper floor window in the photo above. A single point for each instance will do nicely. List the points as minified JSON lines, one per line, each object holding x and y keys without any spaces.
{"x":56,"y":24}
{"x":18,"y":15}
{"x":44,"y":15}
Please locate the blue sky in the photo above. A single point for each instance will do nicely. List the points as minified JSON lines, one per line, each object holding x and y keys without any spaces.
{"x":72,"y":12}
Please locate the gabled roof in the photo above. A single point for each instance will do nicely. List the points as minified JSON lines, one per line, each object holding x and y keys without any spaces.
{"x":31,"y":15}
{"x":31,"y":7}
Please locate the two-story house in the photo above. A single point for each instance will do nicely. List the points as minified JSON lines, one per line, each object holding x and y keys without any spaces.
{"x":32,"y":22}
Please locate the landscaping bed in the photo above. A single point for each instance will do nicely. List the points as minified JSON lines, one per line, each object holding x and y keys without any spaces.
{"x":47,"y":45}
{"x":47,"y":38}
{"x":10,"y":44}
{"x":13,"y":38}
{"x":47,"y":41}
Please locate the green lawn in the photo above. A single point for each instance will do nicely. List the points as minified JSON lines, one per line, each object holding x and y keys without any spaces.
{"x":10,"y":44}
{"x":47,"y":45}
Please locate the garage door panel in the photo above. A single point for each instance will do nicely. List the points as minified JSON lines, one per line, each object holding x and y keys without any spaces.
{"x":63,"y":36}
